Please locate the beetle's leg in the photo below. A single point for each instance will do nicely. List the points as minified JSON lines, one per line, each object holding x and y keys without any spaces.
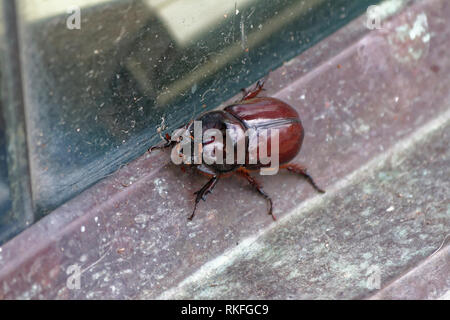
{"x":254,"y":92}
{"x":165,"y":144}
{"x":297,"y":168}
{"x":201,"y":194}
{"x":244,"y":173}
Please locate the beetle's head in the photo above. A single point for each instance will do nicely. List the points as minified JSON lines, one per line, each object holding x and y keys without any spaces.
{"x":212,"y":139}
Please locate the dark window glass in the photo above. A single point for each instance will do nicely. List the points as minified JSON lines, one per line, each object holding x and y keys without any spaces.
{"x":5,"y":194}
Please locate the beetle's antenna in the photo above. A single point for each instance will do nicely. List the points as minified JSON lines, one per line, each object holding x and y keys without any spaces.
{"x":161,"y":128}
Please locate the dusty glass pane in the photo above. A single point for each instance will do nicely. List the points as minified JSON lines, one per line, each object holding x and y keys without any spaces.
{"x":5,"y":195}
{"x":100,"y":76}
{"x":15,"y":195}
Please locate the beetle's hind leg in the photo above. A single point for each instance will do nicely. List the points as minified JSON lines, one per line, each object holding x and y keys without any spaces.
{"x":244,"y":173}
{"x":253,"y":92}
{"x":297,"y":168}
{"x":201,"y":194}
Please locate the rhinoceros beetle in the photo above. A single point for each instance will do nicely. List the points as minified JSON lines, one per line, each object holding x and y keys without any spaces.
{"x":251,"y":112}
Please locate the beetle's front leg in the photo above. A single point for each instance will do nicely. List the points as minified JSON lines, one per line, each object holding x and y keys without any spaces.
{"x":163,"y":145}
{"x":201,"y":194}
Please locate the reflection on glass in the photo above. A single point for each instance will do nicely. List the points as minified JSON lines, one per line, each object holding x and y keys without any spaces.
{"x":95,"y":95}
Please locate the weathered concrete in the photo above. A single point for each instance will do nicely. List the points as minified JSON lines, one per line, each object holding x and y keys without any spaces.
{"x":391,"y":215}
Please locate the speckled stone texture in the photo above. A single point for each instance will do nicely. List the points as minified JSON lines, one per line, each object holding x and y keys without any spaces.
{"x":391,"y":216}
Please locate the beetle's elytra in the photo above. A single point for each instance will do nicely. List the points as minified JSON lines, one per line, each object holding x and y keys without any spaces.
{"x":256,"y":113}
